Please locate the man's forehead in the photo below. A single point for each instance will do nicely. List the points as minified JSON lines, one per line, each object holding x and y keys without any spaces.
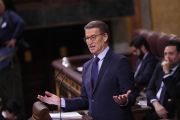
{"x":133,"y":47}
{"x":91,"y":31}
{"x":170,"y":48}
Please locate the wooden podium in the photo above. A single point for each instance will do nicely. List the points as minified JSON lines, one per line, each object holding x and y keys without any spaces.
{"x":41,"y":112}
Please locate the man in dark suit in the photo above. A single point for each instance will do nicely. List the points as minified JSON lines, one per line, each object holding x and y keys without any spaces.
{"x":165,"y":83}
{"x":147,"y":61}
{"x":107,"y":80}
{"x":11,"y":111}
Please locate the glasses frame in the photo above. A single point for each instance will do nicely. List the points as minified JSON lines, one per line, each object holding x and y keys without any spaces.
{"x":86,"y":39}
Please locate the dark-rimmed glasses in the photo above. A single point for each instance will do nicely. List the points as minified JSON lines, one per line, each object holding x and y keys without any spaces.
{"x":92,"y":38}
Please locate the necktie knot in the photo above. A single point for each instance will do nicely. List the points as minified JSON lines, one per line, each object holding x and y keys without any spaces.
{"x":96,"y":59}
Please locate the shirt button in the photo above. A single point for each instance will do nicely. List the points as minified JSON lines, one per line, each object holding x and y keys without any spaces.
{"x":92,"y":100}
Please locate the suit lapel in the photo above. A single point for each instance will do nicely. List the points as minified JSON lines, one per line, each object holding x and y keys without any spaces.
{"x":176,"y":74}
{"x":89,"y":76}
{"x":143,"y":62}
{"x":160,"y":81}
{"x":103,"y":68}
{"x":137,"y":64}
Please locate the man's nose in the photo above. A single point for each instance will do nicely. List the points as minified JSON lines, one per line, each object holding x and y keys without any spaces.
{"x":15,"y":117}
{"x":134,"y":53}
{"x":167,"y":56}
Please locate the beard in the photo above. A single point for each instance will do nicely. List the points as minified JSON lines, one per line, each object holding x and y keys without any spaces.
{"x":141,"y":54}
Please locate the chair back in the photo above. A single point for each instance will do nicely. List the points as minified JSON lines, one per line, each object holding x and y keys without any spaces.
{"x":6,"y":55}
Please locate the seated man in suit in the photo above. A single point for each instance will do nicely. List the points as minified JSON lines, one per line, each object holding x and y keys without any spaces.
{"x":107,"y":80}
{"x":147,"y":61}
{"x":12,"y":109}
{"x":165,"y":83}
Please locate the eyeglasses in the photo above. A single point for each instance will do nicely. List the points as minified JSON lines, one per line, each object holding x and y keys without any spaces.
{"x":93,"y":38}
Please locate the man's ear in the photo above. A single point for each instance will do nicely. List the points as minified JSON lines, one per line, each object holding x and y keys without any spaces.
{"x":142,"y":47}
{"x":179,"y":55}
{"x":105,"y":37}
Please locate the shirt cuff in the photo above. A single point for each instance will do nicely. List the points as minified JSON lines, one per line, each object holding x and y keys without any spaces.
{"x":125,"y":104}
{"x":152,"y":100}
{"x":63,"y":103}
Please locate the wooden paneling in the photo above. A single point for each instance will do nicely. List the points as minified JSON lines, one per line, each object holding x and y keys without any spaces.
{"x":165,"y":16}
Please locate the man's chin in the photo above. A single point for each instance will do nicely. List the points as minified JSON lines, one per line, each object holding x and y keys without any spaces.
{"x":172,"y":65}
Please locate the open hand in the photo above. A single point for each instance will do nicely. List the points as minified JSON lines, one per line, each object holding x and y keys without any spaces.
{"x":122,"y":99}
{"x":52,"y":99}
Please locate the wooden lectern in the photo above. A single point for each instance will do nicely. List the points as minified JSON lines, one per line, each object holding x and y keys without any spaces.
{"x":40,"y":112}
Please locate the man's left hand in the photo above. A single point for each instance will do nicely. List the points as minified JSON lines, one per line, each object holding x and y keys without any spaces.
{"x":122,"y":99}
{"x":11,"y":43}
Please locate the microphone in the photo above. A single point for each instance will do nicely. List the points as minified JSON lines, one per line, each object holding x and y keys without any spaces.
{"x":54,"y":83}
{"x":60,"y":92}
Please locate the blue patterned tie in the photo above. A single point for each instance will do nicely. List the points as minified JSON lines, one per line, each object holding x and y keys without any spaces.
{"x":95,"y":71}
{"x":161,"y":100}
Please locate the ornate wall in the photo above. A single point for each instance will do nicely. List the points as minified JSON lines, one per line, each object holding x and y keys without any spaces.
{"x":165,"y":16}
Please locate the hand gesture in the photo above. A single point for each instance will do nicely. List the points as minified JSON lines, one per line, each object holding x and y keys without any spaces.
{"x":122,"y":99}
{"x":166,"y":66}
{"x":160,"y":110}
{"x":52,"y":99}
{"x":11,"y":43}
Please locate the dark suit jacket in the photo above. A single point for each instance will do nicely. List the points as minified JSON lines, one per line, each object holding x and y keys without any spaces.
{"x":115,"y":78}
{"x":2,"y":118}
{"x":146,"y":69}
{"x":172,"y":83}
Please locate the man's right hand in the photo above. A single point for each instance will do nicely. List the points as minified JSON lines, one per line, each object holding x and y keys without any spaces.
{"x":166,"y":66}
{"x":52,"y":99}
{"x":160,"y":110}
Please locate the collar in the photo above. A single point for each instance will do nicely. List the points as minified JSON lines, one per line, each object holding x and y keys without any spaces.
{"x":145,"y":55}
{"x":174,"y":68}
{"x":4,"y":114}
{"x":1,"y":20}
{"x":103,"y":53}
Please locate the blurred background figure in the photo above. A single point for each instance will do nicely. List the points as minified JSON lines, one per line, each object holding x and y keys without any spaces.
{"x":145,"y":65}
{"x":0,"y":104}
{"x":11,"y":111}
{"x":147,"y":61}
{"x":11,"y":28}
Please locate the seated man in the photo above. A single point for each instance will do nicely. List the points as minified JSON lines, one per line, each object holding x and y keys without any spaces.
{"x":147,"y":61}
{"x":12,"y":109}
{"x":165,"y":83}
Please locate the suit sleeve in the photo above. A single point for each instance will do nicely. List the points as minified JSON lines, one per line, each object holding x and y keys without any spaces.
{"x":172,"y":87}
{"x":148,"y":70}
{"x":17,"y":22}
{"x":125,"y":76}
{"x":79,"y":103}
{"x":151,"y":88}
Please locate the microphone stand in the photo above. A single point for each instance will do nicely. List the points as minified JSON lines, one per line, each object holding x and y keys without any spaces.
{"x":60,"y":92}
{"x":54,"y":83}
